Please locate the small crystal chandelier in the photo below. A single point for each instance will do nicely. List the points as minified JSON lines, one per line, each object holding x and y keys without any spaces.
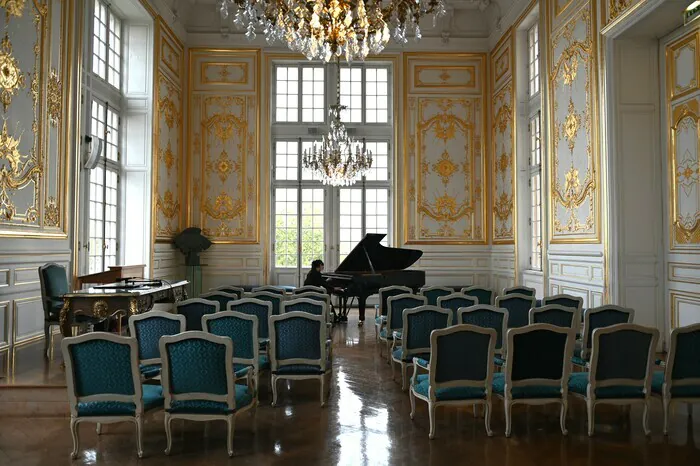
{"x":338,"y":160}
{"x":324,"y":29}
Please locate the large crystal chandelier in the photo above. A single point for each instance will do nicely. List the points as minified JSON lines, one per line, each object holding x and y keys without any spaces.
{"x":338,"y":160}
{"x":323,"y":29}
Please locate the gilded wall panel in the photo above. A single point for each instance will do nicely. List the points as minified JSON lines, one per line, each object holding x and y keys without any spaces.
{"x":614,"y":11}
{"x":223,"y":138}
{"x":34,"y":59}
{"x":684,"y":58}
{"x":444,"y":154}
{"x":574,"y":152}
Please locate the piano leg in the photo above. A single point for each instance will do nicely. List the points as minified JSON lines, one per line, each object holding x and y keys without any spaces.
{"x":361,"y":303}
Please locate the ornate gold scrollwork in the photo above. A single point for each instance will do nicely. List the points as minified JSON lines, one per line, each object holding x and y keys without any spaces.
{"x":223,"y":166}
{"x":445,"y":167}
{"x":133,"y":306}
{"x":63,"y":316}
{"x":54,"y":97}
{"x":13,"y":7}
{"x":616,"y":7}
{"x":19,"y":170}
{"x":170,"y":208}
{"x":100,"y":309}
{"x":11,"y":76}
{"x":168,"y":157}
{"x":51,"y":213}
{"x":686,"y":225}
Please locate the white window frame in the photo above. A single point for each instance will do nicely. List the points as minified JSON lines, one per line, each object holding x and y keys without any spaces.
{"x":534,"y":110}
{"x":109,"y":50}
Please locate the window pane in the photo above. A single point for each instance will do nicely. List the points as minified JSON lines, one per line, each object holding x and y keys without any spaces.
{"x":287,"y":95}
{"x":312,"y":235}
{"x":535,"y":193}
{"x":313,"y":105}
{"x":286,"y":160}
{"x":380,"y":161}
{"x":350,"y":221}
{"x":308,"y":146}
{"x":376,"y":216}
{"x":376,"y":95}
{"x":351,"y":94}
{"x":286,"y":228}
{"x":533,"y":46}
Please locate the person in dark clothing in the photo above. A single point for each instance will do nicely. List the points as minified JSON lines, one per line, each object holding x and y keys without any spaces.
{"x":314,"y":276}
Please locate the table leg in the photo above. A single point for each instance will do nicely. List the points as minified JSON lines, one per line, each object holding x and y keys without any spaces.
{"x":65,"y":319}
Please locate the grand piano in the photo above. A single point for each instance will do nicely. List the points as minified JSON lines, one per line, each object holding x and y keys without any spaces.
{"x":371,"y":266}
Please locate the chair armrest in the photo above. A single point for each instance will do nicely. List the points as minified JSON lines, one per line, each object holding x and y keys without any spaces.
{"x":422,"y":363}
{"x":396,"y":335}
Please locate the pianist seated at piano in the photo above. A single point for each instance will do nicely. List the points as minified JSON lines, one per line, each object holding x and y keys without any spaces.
{"x":315,"y":276}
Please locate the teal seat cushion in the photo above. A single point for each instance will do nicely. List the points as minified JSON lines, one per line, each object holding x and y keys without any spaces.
{"x":578,"y":383}
{"x":264,"y":362}
{"x":300,"y":369}
{"x":241,"y":370}
{"x":152,"y":398}
{"x":681,"y":391}
{"x":499,"y":361}
{"x":148,"y":371}
{"x":243,"y":399}
{"x":533,"y":391}
{"x":424,"y":362}
{"x":382,"y":334}
{"x":379,"y":320}
{"x":396,"y":354}
{"x":448,"y":394}
{"x":579,"y":361}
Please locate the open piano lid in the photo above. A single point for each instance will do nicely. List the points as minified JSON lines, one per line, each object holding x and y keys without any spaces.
{"x":370,"y":256}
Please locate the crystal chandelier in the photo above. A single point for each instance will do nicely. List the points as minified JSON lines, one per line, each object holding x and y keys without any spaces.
{"x":338,"y":160}
{"x":323,"y":29}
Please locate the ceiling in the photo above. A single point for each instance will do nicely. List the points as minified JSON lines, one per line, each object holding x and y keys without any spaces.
{"x":464,"y":19}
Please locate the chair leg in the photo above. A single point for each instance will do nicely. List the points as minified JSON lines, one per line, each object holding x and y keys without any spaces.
{"x":590,"y":408}
{"x":230,"y":423}
{"x":431,"y":415}
{"x":76,"y":439}
{"x":507,"y":405}
{"x":487,"y":418}
{"x":667,"y":405}
{"x":562,"y":416}
{"x":47,"y":339}
{"x":404,"y":370}
{"x":168,"y":433}
{"x":412,"y":397}
{"x":98,"y":429}
{"x":139,"y":436}
{"x":645,"y":418}
{"x":323,"y":401}
{"x":273,"y":382}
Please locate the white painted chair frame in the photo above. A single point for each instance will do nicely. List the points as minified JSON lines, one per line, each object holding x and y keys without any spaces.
{"x":136,"y":398}
{"x":257,"y":294}
{"x":259,"y":302}
{"x":223,"y":288}
{"x":229,"y":398}
{"x":309,"y":288}
{"x":426,"y":289}
{"x":275,"y":363}
{"x":466,"y":289}
{"x":270,"y":289}
{"x":391,"y":336}
{"x":575,"y":314}
{"x":500,"y":299}
{"x":378,"y":312}
{"x":592,"y":401}
{"x":152,"y":315}
{"x":586,"y":323}
{"x":448,"y":297}
{"x":562,"y":383}
{"x":321,"y":297}
{"x":511,"y":290}
{"x":254,"y":377}
{"x":295,"y":300}
{"x":432,"y":401}
{"x":230,"y":296}
{"x":502,"y":351}
{"x":184,"y":303}
{"x":666,"y":398}
{"x":547,"y":299}
{"x":407,"y":353}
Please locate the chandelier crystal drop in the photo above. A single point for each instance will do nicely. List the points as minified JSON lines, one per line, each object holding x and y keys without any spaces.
{"x":339,"y":160}
{"x":327,"y":29}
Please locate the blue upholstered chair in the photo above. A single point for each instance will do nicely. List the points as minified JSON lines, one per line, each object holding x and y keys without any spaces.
{"x":230,"y":289}
{"x":537,"y":369}
{"x":258,"y":308}
{"x":460,"y":371}
{"x":382,"y":309}
{"x":315,"y":306}
{"x":194,"y":309}
{"x":483,"y":295}
{"x":566,"y":300}
{"x":434,"y":292}
{"x":620,"y":370}
{"x":455,"y":301}
{"x":221,"y":297}
{"x":242,"y":329}
{"x":299,"y":349}
{"x":272,"y":298}
{"x":104,"y":383}
{"x":54,"y":284}
{"x":518,"y":307}
{"x":556,"y":314}
{"x":524,"y":290}
{"x":487,"y":316}
{"x":147,"y":328}
{"x":270,"y":289}
{"x":198,"y":382}
{"x":394,"y":319}
{"x":680,"y":380}
{"x":418,"y":323}
{"x":594,"y":318}
{"x":309,"y":288}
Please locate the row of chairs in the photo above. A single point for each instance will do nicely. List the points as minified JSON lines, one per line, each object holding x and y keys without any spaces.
{"x":198,"y":369}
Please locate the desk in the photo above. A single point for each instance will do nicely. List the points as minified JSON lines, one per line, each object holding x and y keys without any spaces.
{"x":101,"y":302}
{"x":114,"y":274}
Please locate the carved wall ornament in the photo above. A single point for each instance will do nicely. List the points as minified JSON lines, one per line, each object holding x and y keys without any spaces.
{"x":168,"y":157}
{"x":445,"y":167}
{"x":617,"y":7}
{"x":52,"y":213}
{"x":170,"y":112}
{"x":11,"y":76}
{"x":13,"y":7}
{"x":54,"y":97}
{"x":571,"y":125}
{"x":685,"y":159}
{"x":222,"y":166}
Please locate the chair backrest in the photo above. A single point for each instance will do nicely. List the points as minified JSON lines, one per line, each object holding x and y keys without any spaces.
{"x":272,"y":298}
{"x":454,"y":301}
{"x":197,"y":366}
{"x":221,"y":297}
{"x":600,"y":317}
{"x":230,"y":289}
{"x":241,"y":328}
{"x":269,"y":289}
{"x":540,"y":354}
{"x":566,"y":300}
{"x":308,"y":305}
{"x":524,"y":290}
{"x":483,"y":295}
{"x":486,"y":316}
{"x":54,"y":284}
{"x":307,"y":288}
{"x":623,"y":355}
{"x":555,"y":314}
{"x":102,"y":367}
{"x":194,"y":309}
{"x":387,"y":292}
{"x":397,"y":304}
{"x":148,"y":327}
{"x":254,"y":307}
{"x":434,"y":292}
{"x":323,"y":297}
{"x":418,"y":324}
{"x":298,"y":338}
{"x":518,"y":307}
{"x":683,"y":363}
{"x":461,"y":356}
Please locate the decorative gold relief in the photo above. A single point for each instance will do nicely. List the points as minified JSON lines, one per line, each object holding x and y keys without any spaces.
{"x":100,"y":309}
{"x":169,"y":111}
{"x":13,"y":7}
{"x":683,"y":59}
{"x":617,"y":7}
{"x":445,"y":167}
{"x":502,"y":64}
{"x":54,"y":97}
{"x":11,"y":76}
{"x":224,"y":73}
{"x":52,"y":213}
{"x":170,"y":209}
{"x":571,"y":125}
{"x":444,"y":76}
{"x":223,"y":166}
{"x":168,"y":157}
{"x":685,"y":163}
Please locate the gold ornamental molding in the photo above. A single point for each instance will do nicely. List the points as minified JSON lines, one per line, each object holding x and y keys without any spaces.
{"x":13,"y":7}
{"x":687,"y":47}
{"x":11,"y":76}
